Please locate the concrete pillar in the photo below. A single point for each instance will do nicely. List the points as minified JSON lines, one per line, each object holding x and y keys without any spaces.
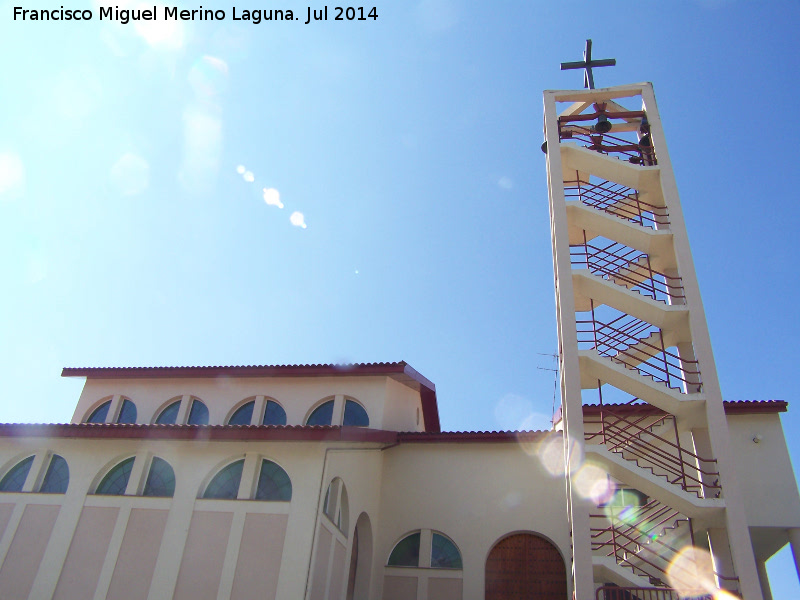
{"x":721,"y":557}
{"x":763,"y":579}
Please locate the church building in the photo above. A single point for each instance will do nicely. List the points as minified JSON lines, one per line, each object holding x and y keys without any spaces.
{"x":335,"y":482}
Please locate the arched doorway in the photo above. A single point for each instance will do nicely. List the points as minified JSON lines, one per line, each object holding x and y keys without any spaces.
{"x":525,"y":566}
{"x":360,"y":560}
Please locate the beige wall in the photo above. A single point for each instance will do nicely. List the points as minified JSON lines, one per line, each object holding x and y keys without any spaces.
{"x":222,"y":395}
{"x":766,"y":477}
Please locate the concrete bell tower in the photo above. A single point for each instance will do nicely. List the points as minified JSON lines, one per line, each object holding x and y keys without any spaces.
{"x":633,"y":338}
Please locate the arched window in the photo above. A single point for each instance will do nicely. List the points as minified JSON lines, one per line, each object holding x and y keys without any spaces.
{"x":406,"y":552}
{"x":116,"y":481}
{"x":169,"y":415}
{"x":322,"y":415}
{"x":100,"y":413}
{"x":127,"y":413}
{"x":243,"y":414}
{"x":198,"y":415}
{"x":274,"y":414}
{"x":444,"y":553}
{"x":160,"y":480}
{"x":56,"y":479}
{"x":355,"y":415}
{"x":225,"y":484}
{"x":336,"y":506}
{"x":273,"y":483}
{"x":15,"y":478}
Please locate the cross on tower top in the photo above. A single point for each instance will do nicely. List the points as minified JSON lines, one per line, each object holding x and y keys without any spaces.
{"x":587,"y":64}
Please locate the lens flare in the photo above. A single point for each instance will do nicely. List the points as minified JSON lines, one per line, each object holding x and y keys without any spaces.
{"x":249,"y":177}
{"x":691,"y":573}
{"x":298,"y":220}
{"x":240,"y":169}
{"x":272,"y":197}
{"x":553,"y":458}
{"x":592,"y":482}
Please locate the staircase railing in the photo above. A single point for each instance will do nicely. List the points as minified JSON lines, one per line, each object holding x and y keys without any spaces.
{"x":609,"y":592}
{"x":624,"y":341}
{"x":629,"y":268}
{"x":665,"y":458}
{"x":618,"y":200}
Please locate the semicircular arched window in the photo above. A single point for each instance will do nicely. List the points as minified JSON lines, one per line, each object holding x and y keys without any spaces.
{"x":355,"y":415}
{"x":243,"y":414}
{"x":274,"y":414}
{"x":116,"y":481}
{"x":322,"y":415}
{"x":273,"y":483}
{"x":160,"y":479}
{"x":100,"y":413}
{"x":169,"y":416}
{"x":406,"y":552}
{"x":225,"y":484}
{"x":15,"y":478}
{"x":56,"y":479}
{"x":444,"y":553}
{"x":198,"y":415}
{"x":127,"y":413}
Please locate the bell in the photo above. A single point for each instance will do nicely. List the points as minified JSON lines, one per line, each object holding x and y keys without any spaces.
{"x":603,"y":125}
{"x":544,"y":147}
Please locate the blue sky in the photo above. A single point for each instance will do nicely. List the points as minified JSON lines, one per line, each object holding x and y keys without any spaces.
{"x":410,"y":145}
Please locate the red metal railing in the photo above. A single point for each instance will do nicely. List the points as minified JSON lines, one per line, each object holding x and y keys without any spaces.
{"x":638,"y":153}
{"x":618,"y":200}
{"x":636,"y":441}
{"x":629,"y":268}
{"x":639,"y":346}
{"x":612,"y":592}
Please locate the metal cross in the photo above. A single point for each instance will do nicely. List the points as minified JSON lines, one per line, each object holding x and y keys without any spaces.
{"x":587,"y":64}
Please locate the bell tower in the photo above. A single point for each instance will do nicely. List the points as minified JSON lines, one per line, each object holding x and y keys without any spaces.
{"x":634,"y":343}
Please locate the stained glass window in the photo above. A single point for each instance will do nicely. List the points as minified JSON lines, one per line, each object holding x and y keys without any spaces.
{"x":100,"y":413}
{"x":273,"y":483}
{"x":128,"y":412}
{"x":198,"y":415}
{"x":444,"y":554}
{"x":243,"y":414}
{"x":406,"y":552}
{"x":160,"y":480}
{"x":56,"y":479}
{"x":355,"y":415}
{"x":15,"y":478}
{"x":274,"y":414}
{"x":322,"y":415}
{"x":225,"y":484}
{"x":169,"y":415}
{"x":115,"y":483}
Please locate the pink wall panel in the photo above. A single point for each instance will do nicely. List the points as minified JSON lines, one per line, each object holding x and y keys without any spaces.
{"x":440,"y":588}
{"x":137,"y":555}
{"x":335,"y":592}
{"x":203,"y":555}
{"x":319,"y":577}
{"x":5,"y":515}
{"x":399,"y":588}
{"x":260,"y":555}
{"x":26,"y":551}
{"x":87,"y":552}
